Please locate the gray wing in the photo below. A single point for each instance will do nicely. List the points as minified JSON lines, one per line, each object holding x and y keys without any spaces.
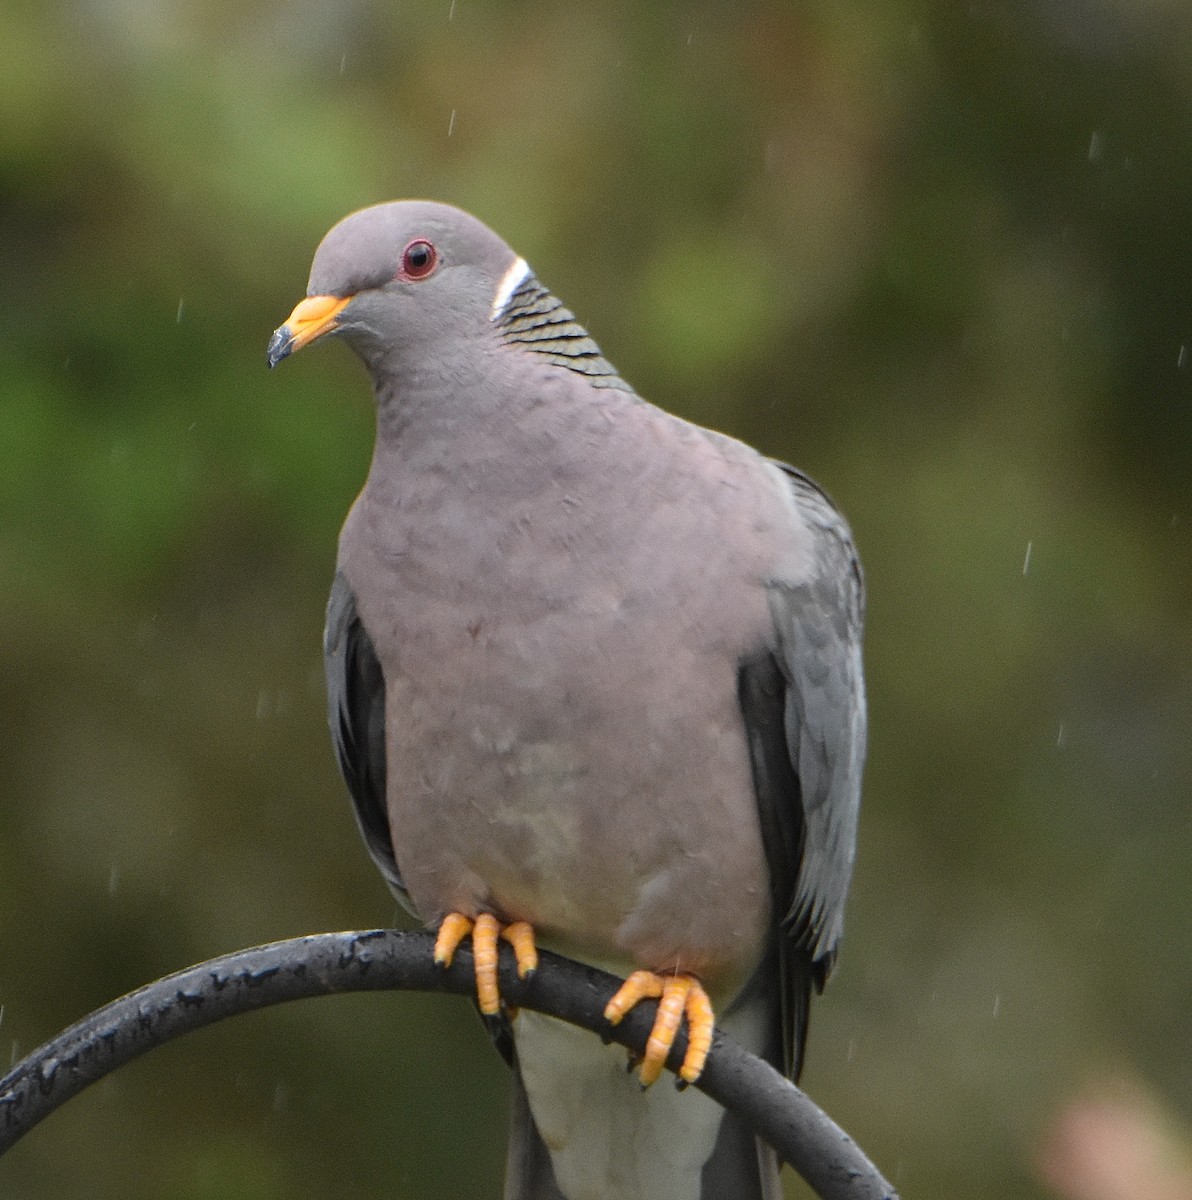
{"x":804,"y":707}
{"x":356,"y":714}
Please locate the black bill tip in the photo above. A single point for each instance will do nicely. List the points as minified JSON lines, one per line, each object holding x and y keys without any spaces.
{"x":280,"y":345}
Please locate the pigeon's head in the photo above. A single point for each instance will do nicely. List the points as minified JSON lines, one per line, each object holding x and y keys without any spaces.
{"x":394,"y":279}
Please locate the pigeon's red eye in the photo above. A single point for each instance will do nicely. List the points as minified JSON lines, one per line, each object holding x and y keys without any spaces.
{"x":418,"y":259}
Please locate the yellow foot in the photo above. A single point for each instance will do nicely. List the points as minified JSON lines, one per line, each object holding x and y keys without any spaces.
{"x":486,"y":930}
{"x":677,"y":995}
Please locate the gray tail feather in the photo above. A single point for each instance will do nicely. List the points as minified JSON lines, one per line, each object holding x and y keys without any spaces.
{"x":528,"y":1171}
{"x":777,"y":998}
{"x":740,"y":1167}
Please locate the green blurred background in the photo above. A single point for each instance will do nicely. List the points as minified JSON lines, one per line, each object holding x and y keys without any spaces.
{"x":937,"y":254}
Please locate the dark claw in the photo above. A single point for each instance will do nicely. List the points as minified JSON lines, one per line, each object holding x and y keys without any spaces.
{"x":499,"y":1029}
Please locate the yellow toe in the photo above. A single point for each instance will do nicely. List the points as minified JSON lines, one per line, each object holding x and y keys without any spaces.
{"x":486,"y":933}
{"x":454,"y":928}
{"x":678,"y":996}
{"x":520,"y":935}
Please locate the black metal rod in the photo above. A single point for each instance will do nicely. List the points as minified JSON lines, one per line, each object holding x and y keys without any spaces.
{"x":381,"y":960}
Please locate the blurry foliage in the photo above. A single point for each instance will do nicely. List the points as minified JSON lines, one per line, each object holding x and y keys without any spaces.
{"x":936,"y":254}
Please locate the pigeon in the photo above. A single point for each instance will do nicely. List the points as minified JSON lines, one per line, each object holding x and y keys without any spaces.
{"x":595,"y":684}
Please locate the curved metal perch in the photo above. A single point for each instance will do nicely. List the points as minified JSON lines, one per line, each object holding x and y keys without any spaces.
{"x":379,"y":960}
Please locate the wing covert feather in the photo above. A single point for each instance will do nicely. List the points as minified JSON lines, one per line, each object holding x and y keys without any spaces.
{"x":356,"y":715}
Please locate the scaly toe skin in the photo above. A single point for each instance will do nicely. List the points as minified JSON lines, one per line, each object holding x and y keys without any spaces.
{"x":700,"y":1024}
{"x":454,"y":928}
{"x":666,"y":1026}
{"x":678,"y":996}
{"x":520,"y":935}
{"x":486,"y":931}
{"x":641,"y":985}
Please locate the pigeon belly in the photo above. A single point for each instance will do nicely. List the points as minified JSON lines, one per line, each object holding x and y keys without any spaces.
{"x":575,"y":788}
{"x":565,"y":744}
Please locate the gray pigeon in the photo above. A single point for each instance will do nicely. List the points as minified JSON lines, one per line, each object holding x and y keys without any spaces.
{"x":594,"y":681}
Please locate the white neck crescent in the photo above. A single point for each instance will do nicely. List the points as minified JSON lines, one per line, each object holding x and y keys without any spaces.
{"x":510,"y":282}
